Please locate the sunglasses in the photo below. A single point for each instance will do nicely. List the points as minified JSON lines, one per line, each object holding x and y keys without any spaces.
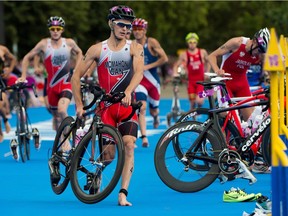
{"x":137,"y":28}
{"x":57,"y":29}
{"x":122,"y":25}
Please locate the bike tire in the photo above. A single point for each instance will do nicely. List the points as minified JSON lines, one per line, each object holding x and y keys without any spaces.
{"x":174,"y":172}
{"x":59,"y":178}
{"x":266,"y":146}
{"x":28,"y":134}
{"x":22,"y":136}
{"x":104,"y":172}
{"x":201,"y":114}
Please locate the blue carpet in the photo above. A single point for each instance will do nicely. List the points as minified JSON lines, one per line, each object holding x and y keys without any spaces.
{"x":25,"y":187}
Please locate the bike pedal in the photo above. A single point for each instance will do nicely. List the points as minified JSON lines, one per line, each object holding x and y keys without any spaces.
{"x":246,"y":174}
{"x":54,"y":171}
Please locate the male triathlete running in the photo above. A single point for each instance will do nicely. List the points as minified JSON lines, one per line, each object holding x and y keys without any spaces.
{"x":7,"y":64}
{"x":195,"y":62}
{"x":57,"y":52}
{"x":120,"y":69}
{"x":149,"y":87}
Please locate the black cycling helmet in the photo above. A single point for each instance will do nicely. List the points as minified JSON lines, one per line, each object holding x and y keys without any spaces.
{"x":56,"y":21}
{"x":121,"y":12}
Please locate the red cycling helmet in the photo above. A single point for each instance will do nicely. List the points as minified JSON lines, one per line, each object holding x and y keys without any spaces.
{"x":140,"y":23}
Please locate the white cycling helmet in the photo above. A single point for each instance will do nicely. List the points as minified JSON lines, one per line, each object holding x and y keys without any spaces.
{"x":262,"y":37}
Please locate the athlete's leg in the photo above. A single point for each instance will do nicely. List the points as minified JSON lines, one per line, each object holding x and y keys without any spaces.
{"x":128,"y":168}
{"x":154,"y":112}
{"x":3,"y":113}
{"x":154,"y":101}
{"x":141,"y":95}
{"x":142,"y":124}
{"x":241,"y":89}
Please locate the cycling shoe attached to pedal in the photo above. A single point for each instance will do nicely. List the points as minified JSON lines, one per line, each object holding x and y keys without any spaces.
{"x":54,"y":171}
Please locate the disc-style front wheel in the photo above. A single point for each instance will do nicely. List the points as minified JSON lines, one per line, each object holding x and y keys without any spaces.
{"x":197,"y":167}
{"x":97,"y":165}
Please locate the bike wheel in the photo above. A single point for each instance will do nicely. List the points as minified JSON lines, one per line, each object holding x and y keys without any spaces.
{"x":231,"y":133}
{"x":184,"y":174}
{"x":28,"y":134}
{"x":97,"y":166}
{"x":266,"y":146}
{"x":59,"y":162}
{"x":23,"y":142}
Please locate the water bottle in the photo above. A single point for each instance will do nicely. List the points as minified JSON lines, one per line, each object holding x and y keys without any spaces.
{"x":257,"y":111}
{"x":256,"y":122}
{"x":79,"y":135}
{"x":85,"y":129}
{"x":245,"y":128}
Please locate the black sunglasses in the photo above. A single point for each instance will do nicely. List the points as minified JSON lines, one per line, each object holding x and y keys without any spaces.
{"x":122,"y":25}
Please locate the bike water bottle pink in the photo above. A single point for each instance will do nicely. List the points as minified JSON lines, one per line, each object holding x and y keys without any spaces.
{"x":245,"y":128}
{"x":79,"y":135}
{"x":256,"y":122}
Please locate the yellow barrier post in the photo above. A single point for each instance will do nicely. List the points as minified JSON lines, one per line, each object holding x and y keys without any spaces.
{"x":275,"y":65}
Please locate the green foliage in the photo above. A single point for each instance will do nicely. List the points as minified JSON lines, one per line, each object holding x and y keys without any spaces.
{"x":169,"y":21}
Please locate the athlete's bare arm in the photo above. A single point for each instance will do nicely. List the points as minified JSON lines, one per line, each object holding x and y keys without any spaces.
{"x":207,"y":66}
{"x":6,"y":55}
{"x":181,"y":61}
{"x":75,"y":50}
{"x":84,"y":64}
{"x":40,"y":47}
{"x":137,"y":53}
{"x":156,"y":50}
{"x":229,"y":47}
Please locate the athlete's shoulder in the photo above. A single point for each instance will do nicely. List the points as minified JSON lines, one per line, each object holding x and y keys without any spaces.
{"x":69,"y":40}
{"x":135,"y":44}
{"x":233,"y":44}
{"x":44,"y":40}
{"x":152,"y":40}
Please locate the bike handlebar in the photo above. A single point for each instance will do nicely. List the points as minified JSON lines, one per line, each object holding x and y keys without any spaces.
{"x":116,"y":97}
{"x":135,"y":106}
{"x":17,"y":87}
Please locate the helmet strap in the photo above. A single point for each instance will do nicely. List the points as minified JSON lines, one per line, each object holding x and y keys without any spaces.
{"x":118,"y":39}
{"x":251,"y":48}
